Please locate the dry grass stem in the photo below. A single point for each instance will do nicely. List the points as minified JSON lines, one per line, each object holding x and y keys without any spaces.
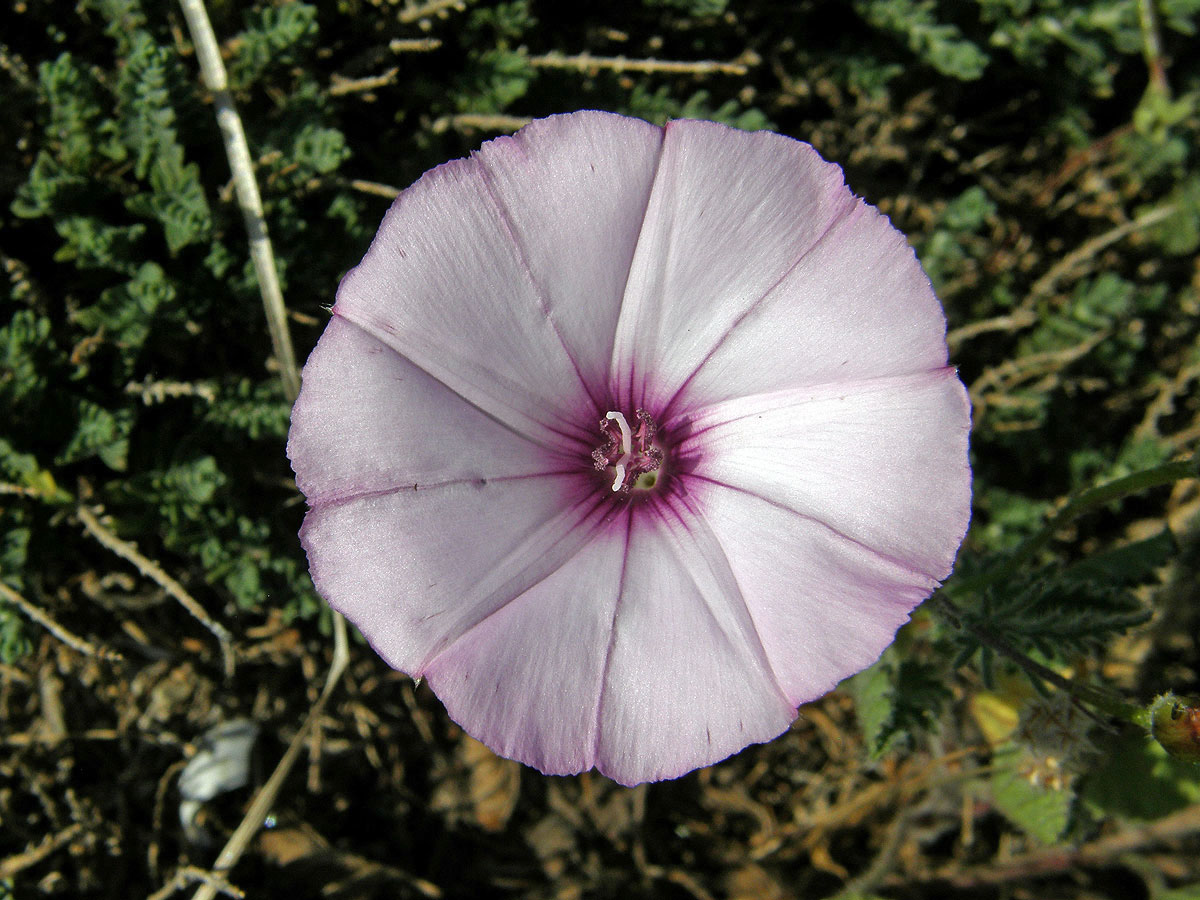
{"x":372,"y":187}
{"x":414,"y":45}
{"x":342,"y":85}
{"x":476,"y":122}
{"x":265,"y":798}
{"x":71,"y":640}
{"x":585,"y":62}
{"x":425,"y":10}
{"x":1046,"y":285}
{"x":238,"y":153}
{"x":155,"y":573}
{"x":18,"y":862}
{"x":1010,"y":323}
{"x":189,"y":874}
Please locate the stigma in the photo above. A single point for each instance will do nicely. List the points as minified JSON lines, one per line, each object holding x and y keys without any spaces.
{"x":631,"y":453}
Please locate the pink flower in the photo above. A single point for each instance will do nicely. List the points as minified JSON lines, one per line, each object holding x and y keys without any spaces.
{"x":630,"y":440}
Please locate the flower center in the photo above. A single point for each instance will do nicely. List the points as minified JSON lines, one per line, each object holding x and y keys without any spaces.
{"x":631,"y":452}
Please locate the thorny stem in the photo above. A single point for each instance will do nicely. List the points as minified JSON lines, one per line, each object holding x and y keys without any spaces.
{"x":213,"y":70}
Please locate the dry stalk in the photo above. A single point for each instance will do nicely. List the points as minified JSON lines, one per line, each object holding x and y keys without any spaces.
{"x":67,"y":637}
{"x":585,"y":62}
{"x":238,"y":153}
{"x":18,"y":862}
{"x":479,"y":122}
{"x":152,"y":570}
{"x":412,"y":14}
{"x":414,"y":45}
{"x":1045,"y":286}
{"x":342,"y":85}
{"x":188,"y":874}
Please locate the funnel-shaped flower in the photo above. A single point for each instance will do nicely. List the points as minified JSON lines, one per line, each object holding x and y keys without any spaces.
{"x":630,"y":440}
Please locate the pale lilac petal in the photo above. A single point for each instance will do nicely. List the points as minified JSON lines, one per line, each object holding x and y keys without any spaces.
{"x":730,"y":215}
{"x":824,"y":606}
{"x":856,"y":306}
{"x":368,"y":420}
{"x":415,"y":570}
{"x":526,"y":680}
{"x":444,"y":284}
{"x":881,"y":462}
{"x":574,"y":191}
{"x":688,"y":682}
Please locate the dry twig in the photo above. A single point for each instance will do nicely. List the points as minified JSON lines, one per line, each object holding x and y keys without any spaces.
{"x":152,"y":570}
{"x":238,"y":153}
{"x":18,"y":862}
{"x":479,"y":122}
{"x":188,"y":874}
{"x":412,"y":14}
{"x":585,"y":62}
{"x":67,"y":637}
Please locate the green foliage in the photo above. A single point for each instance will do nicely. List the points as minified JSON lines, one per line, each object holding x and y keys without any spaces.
{"x":1040,"y":810}
{"x":940,"y":44}
{"x":1179,"y":234}
{"x":14,"y":643}
{"x":1058,"y":612}
{"x":1137,"y":780}
{"x":896,"y":699}
{"x":274,"y":38}
{"x":952,"y":242}
{"x":126,"y":312}
{"x":112,"y":379}
{"x":692,"y":7}
{"x":100,"y":432}
{"x":1087,"y":33}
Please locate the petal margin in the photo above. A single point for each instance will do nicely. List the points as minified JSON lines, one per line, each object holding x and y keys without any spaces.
{"x":444,"y":285}
{"x":526,"y":680}
{"x":574,"y":189}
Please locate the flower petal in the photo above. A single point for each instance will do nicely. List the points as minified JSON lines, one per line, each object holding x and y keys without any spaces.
{"x":824,"y":605}
{"x":731,"y":213}
{"x":526,"y":680}
{"x":368,"y":420}
{"x":688,"y":682}
{"x":574,"y":191}
{"x":881,"y":462}
{"x":856,"y":306}
{"x":444,"y":284}
{"x":415,"y":570}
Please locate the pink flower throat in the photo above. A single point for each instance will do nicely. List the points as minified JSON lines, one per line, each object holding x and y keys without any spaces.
{"x":631,"y":453}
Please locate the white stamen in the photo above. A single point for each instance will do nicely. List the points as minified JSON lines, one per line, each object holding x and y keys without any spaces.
{"x":626,"y":448}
